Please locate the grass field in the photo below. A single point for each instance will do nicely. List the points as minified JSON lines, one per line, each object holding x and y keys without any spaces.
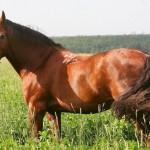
{"x":80,"y":132}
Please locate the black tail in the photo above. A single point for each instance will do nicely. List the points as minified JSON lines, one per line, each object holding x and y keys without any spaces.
{"x":137,"y":99}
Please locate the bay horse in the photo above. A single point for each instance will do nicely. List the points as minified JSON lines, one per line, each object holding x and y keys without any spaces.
{"x":56,"y":80}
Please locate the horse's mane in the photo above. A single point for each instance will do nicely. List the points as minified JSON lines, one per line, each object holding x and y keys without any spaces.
{"x":25,"y":33}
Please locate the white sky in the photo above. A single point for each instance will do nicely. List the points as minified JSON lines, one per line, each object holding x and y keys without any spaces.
{"x":81,"y":17}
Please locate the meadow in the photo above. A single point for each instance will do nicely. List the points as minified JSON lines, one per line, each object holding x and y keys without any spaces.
{"x":100,"y":131}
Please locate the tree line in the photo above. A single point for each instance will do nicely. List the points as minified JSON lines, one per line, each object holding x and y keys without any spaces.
{"x":95,"y":44}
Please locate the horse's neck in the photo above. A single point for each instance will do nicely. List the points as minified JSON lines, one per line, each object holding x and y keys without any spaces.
{"x":24,"y":56}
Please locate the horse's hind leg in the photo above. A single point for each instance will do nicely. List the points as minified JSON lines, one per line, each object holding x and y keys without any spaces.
{"x":138,"y":128}
{"x":36,"y":121}
{"x":56,"y":118}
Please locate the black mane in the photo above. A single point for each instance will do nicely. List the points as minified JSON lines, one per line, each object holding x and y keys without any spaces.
{"x":24,"y":33}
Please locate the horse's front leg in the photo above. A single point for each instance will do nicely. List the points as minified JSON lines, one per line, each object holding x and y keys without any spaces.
{"x":36,"y":116}
{"x":56,"y":118}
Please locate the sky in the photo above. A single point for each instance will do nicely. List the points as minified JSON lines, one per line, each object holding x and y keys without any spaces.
{"x":80,"y":17}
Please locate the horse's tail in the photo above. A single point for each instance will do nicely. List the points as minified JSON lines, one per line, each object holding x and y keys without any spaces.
{"x":137,"y":98}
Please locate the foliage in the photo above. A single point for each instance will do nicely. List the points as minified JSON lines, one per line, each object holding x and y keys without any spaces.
{"x":95,"y":44}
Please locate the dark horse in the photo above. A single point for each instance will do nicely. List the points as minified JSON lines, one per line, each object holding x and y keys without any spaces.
{"x":55,"y":80}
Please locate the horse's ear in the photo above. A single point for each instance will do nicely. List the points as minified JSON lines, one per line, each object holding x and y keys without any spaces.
{"x":2,"y":19}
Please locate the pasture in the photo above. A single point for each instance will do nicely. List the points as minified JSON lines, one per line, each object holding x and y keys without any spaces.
{"x":80,"y":132}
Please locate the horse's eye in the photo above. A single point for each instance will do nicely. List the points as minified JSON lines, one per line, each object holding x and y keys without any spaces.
{"x":2,"y":37}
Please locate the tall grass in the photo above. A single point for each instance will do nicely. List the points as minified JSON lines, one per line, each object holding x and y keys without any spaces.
{"x":80,"y":132}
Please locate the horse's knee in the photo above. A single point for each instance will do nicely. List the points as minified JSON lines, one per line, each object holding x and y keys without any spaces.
{"x":36,"y":121}
{"x":137,"y":125}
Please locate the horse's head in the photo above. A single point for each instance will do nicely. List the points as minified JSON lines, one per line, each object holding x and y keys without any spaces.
{"x":3,"y":36}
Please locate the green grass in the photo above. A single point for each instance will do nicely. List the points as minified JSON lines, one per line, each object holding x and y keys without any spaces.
{"x":80,"y":132}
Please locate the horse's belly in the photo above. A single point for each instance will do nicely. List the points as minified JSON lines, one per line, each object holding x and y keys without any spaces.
{"x":92,"y":107}
{"x":82,"y":107}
